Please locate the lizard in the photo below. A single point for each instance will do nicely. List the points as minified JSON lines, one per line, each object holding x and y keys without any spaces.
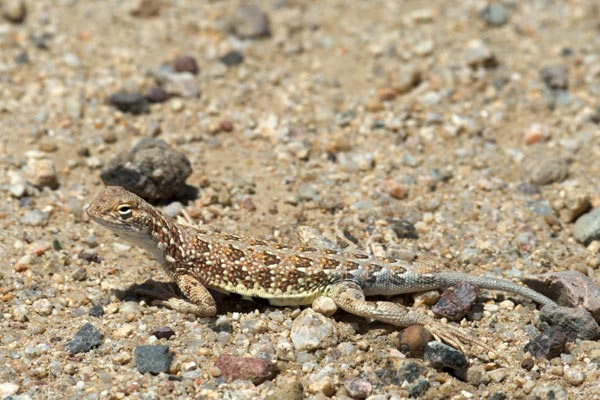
{"x":198,"y":259}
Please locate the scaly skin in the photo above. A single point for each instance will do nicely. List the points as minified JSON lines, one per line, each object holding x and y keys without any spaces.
{"x":199,"y":260}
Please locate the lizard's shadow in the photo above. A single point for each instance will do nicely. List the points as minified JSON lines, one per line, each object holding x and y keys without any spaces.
{"x":152,"y":289}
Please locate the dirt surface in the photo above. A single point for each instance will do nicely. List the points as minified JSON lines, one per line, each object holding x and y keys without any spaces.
{"x":419,"y":131}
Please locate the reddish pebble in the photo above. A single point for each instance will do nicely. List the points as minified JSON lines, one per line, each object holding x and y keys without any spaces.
{"x":255,"y":369}
{"x":226,"y":126}
{"x":414,"y":337}
{"x":536,"y":133}
{"x":395,"y":189}
{"x":185,"y":64}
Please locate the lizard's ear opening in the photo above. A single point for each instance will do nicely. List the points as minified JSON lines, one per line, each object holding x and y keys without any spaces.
{"x":124,"y":210}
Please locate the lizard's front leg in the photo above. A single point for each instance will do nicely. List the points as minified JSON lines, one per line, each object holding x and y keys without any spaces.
{"x":201,"y":301}
{"x":350,"y":297}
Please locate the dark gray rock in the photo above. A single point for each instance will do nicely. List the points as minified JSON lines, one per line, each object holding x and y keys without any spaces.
{"x":133,"y":103}
{"x":548,"y":344}
{"x":163,"y":332}
{"x":456,"y":301}
{"x":555,"y":76}
{"x":250,"y":22}
{"x":96,"y":311}
{"x":86,"y":338}
{"x":153,"y":359}
{"x":440,"y":355}
{"x":419,"y":388}
{"x":587,"y":227}
{"x":568,"y":288}
{"x":232,"y":58}
{"x":152,"y":169}
{"x":576,"y":322}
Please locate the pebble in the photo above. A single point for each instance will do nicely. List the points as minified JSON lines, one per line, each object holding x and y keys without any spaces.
{"x":144,"y":8}
{"x":478,"y":55}
{"x":419,"y":388}
{"x":573,"y":375}
{"x":536,"y":133}
{"x":182,"y":84}
{"x":250,"y":22}
{"x":185,"y":63}
{"x":568,"y":288}
{"x":96,"y":311}
{"x":546,"y":170}
{"x":358,"y":388}
{"x":152,"y":169}
{"x":157,"y":94}
{"x":576,"y":322}
{"x":153,"y":359}
{"x":415,"y":338}
{"x":395,"y":189}
{"x":587,"y":227}
{"x":14,"y":10}
{"x":287,"y":389}
{"x":548,"y":344}
{"x":440,"y":355}
{"x":86,"y":338}
{"x":323,"y":385}
{"x":311,"y":331}
{"x":456,"y":301}
{"x":254,"y":369}
{"x":42,"y":307}
{"x":42,"y":173}
{"x":163,"y":332}
{"x":555,"y":76}
{"x":232,"y":58}
{"x":8,"y":389}
{"x":495,"y":14}
{"x":133,"y":103}
{"x":324,"y":305}
{"x":35,"y":218}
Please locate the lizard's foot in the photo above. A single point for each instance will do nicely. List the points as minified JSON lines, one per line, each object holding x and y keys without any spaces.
{"x":182,"y":306}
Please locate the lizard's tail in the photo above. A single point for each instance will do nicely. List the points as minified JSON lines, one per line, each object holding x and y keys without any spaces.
{"x":445,"y":279}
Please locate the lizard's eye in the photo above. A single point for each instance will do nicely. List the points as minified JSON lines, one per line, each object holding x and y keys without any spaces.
{"x":124,"y":210}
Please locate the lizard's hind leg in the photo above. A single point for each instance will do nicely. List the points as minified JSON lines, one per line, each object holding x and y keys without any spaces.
{"x":350,"y":297}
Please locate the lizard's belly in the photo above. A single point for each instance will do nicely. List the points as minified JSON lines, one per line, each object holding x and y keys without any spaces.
{"x":276,"y":297}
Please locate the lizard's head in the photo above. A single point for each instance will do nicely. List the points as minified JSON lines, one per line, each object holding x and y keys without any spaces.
{"x":123,"y":212}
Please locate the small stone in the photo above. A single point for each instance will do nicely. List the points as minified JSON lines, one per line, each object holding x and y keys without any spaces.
{"x":536,"y":133}
{"x":39,"y":247}
{"x":8,"y":389}
{"x":456,"y":301}
{"x":122,"y":358}
{"x":407,"y":79}
{"x":14,"y":10}
{"x":548,"y":344}
{"x":144,"y":8}
{"x":547,"y":170}
{"x":576,"y":322}
{"x":568,"y":288}
{"x":495,"y":14}
{"x":324,"y":385}
{"x":573,"y":375}
{"x":415,"y":338}
{"x":153,"y":359}
{"x":287,"y":389}
{"x":528,"y":363}
{"x":555,"y":76}
{"x":183,"y":84}
{"x":124,"y":331}
{"x":163,"y":332}
{"x":152,"y":169}
{"x":254,"y":369}
{"x":395,"y":189}
{"x":476,"y":375}
{"x":43,"y":307}
{"x":419,"y":388}
{"x":587,"y":227}
{"x":185,"y":63}
{"x":440,"y":355}
{"x":250,"y":22}
{"x":157,"y":94}
{"x":35,"y":218}
{"x":86,"y":338}
{"x":232,"y":58}
{"x":133,"y":103}
{"x":177,"y":105}
{"x":311,"y":331}
{"x":96,"y":311}
{"x":324,"y":305}
{"x":358,"y":388}
{"x":478,"y":55}
{"x":42,"y":173}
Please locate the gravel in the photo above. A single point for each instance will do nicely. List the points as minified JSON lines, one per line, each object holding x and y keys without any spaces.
{"x":440,"y":117}
{"x":86,"y":338}
{"x":153,"y":359}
